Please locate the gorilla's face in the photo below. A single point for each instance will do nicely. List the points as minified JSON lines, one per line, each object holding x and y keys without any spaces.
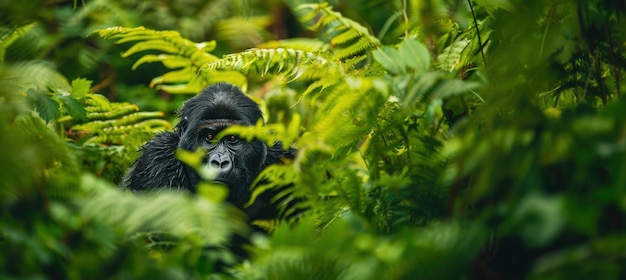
{"x":237,"y":161}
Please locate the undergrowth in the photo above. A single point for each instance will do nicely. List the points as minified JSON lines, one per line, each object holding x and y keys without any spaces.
{"x":466,"y":140}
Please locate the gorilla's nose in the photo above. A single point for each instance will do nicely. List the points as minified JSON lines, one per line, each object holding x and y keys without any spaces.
{"x":221,"y":162}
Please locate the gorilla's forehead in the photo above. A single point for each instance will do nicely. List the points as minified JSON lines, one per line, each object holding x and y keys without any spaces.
{"x":219,"y":123}
{"x":224,"y":102}
{"x":222,"y":112}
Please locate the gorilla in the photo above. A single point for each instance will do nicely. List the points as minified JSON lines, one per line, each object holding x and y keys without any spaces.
{"x":238,"y":161}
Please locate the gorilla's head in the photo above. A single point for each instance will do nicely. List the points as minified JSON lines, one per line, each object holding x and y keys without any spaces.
{"x":204,"y":116}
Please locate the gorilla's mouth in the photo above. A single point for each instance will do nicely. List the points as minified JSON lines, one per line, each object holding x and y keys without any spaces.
{"x":220,"y":181}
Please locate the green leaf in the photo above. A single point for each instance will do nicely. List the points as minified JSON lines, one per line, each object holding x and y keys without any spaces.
{"x":348,"y":37}
{"x":159,"y":45}
{"x":177,"y":76}
{"x":74,"y":108}
{"x":452,"y":58}
{"x":193,"y":159}
{"x":208,"y":46}
{"x":80,"y":87}
{"x":431,"y":111}
{"x":169,"y":61}
{"x":415,"y":54}
{"x":388,"y":58}
{"x":493,"y":5}
{"x":213,"y":192}
{"x":450,"y":88}
{"x":46,"y":107}
{"x":541,"y":218}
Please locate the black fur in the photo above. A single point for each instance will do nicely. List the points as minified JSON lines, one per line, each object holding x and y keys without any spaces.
{"x":215,"y":108}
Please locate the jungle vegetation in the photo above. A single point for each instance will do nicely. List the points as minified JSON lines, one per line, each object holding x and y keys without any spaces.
{"x":437,"y":139}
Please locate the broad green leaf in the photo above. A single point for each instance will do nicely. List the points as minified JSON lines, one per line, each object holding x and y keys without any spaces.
{"x":452,"y":57}
{"x":74,"y":108}
{"x":80,"y":87}
{"x":46,"y":107}
{"x":389,"y":58}
{"x":415,"y":54}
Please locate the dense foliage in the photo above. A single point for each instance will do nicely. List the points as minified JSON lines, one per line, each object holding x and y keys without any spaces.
{"x":437,"y":139}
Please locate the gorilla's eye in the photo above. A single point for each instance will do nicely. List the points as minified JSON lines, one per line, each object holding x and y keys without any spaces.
{"x":209,"y":137}
{"x":232,"y":139}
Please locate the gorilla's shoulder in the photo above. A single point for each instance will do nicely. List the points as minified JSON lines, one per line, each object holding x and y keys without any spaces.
{"x":163,"y":140}
{"x":157,"y":165}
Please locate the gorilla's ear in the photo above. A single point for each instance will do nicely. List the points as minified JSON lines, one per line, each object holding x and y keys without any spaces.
{"x":187,"y":137}
{"x":182,"y":125}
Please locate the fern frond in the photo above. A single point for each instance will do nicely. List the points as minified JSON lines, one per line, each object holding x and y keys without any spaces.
{"x":421,"y":85}
{"x":34,"y":155}
{"x":303,"y":44}
{"x":45,"y":89}
{"x":354,"y":103}
{"x":117,"y":110}
{"x":293,"y":64}
{"x":206,"y":18}
{"x":297,"y":251}
{"x":175,"y":213}
{"x":254,"y":31}
{"x":351,"y":188}
{"x":37,"y":75}
{"x":112,"y":123}
{"x":169,"y":61}
{"x":341,"y":101}
{"x":8,"y":39}
{"x":267,"y":225}
{"x":347,"y":37}
{"x":119,"y":128}
{"x":182,"y":55}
